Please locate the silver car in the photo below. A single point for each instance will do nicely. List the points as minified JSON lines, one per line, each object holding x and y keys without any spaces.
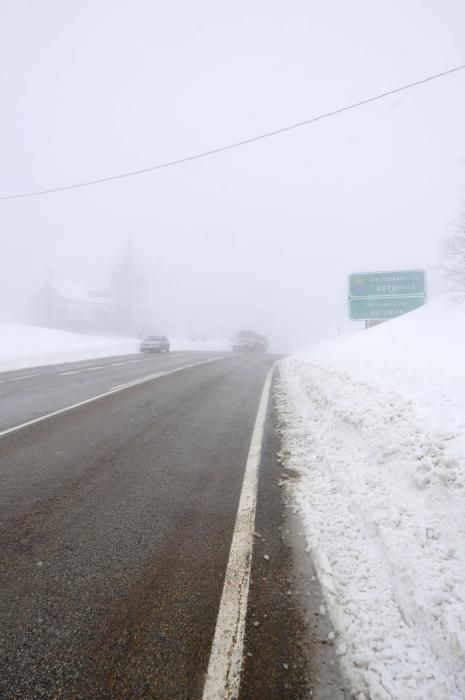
{"x":155,"y":343}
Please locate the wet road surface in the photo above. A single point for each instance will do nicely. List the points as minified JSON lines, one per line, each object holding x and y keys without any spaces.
{"x":116,"y":520}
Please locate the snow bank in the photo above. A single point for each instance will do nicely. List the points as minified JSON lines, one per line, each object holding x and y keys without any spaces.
{"x":30,"y":346}
{"x":374,"y":424}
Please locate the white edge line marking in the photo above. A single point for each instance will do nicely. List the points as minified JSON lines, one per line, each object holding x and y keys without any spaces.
{"x":114,"y":390}
{"x":225,"y":665}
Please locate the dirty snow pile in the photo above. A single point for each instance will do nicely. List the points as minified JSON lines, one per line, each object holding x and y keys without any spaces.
{"x":373,"y":428}
{"x":31,"y":346}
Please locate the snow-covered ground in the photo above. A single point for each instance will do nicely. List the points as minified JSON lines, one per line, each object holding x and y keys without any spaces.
{"x":30,"y":346}
{"x":373,"y":429}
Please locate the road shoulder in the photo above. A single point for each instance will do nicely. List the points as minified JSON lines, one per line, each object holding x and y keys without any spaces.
{"x":288,"y":649}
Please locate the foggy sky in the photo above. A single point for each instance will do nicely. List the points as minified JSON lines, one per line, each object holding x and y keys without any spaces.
{"x":263,"y":236}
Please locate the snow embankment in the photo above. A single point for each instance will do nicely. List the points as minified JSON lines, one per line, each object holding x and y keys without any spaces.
{"x":31,"y":346}
{"x":373,"y":428}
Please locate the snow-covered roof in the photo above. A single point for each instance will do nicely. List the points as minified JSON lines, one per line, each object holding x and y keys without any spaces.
{"x":77,"y":292}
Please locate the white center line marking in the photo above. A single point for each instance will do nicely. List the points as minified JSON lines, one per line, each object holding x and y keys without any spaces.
{"x":91,"y":369}
{"x":24,"y":376}
{"x":115,"y":390}
{"x":71,"y":371}
{"x":116,"y":364}
{"x":225,"y":665}
{"x":149,"y":377}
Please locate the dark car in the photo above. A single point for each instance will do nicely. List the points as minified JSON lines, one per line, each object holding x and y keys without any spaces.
{"x":249,"y":341}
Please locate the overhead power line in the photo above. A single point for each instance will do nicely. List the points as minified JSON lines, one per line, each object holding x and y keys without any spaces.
{"x":237,"y":144}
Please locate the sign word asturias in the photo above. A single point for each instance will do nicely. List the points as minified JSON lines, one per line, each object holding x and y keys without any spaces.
{"x":402,"y":283}
{"x":379,"y":296}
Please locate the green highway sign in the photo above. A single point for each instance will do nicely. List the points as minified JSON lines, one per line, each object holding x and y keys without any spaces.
{"x":400,"y":283}
{"x":383,"y":308}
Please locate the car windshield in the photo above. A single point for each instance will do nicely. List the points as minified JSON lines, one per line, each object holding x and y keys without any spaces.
{"x":156,"y":337}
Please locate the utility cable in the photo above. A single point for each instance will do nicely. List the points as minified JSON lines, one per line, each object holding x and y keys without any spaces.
{"x":237,"y":144}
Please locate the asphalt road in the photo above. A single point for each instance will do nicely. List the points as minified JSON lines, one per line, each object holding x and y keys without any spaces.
{"x":28,"y":393}
{"x":116,"y":519}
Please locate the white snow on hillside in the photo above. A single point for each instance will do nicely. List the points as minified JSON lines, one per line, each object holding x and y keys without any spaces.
{"x":374,"y":424}
{"x":31,"y":346}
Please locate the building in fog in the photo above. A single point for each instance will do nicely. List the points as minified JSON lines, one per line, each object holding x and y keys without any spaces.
{"x":60,"y":304}
{"x":122,"y":307}
{"x":129,"y":290}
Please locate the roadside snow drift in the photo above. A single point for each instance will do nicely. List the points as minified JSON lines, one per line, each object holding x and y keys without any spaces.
{"x":31,"y":346}
{"x":373,"y":428}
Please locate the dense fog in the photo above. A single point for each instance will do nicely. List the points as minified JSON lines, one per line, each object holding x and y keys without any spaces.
{"x":259,"y":237}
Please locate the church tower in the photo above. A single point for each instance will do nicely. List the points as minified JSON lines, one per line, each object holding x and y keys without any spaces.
{"x":129,"y":288}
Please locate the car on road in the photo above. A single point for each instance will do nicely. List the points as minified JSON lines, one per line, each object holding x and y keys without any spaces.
{"x":155,"y":343}
{"x":249,"y":341}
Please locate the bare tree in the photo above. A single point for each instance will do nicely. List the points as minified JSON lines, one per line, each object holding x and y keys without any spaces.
{"x":453,"y":262}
